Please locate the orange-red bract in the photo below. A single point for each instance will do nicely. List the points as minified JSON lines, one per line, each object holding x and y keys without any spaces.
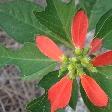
{"x":59,"y":94}
{"x":79,"y":29}
{"x":95,"y":45}
{"x":94,"y":92}
{"x":48,"y":47}
{"x":103,"y":59}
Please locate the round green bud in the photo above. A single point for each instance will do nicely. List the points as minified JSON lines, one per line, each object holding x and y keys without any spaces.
{"x":78,"y":51}
{"x":64,"y":58}
{"x":70,"y":67}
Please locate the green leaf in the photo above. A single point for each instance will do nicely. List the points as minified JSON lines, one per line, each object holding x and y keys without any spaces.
{"x":20,"y":22}
{"x":105,"y":70}
{"x":62,"y":110}
{"x":32,"y":63}
{"x":49,"y":80}
{"x":57,"y":17}
{"x":40,"y":104}
{"x":74,"y":98}
{"x":95,"y":10}
{"x":106,"y":85}
{"x":87,"y":5}
{"x":99,"y":9}
{"x":104,"y":29}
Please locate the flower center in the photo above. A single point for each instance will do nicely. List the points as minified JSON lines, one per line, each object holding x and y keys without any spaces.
{"x":75,"y":66}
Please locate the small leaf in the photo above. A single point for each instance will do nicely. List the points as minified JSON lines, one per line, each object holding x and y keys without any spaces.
{"x":33,"y":64}
{"x":49,"y":80}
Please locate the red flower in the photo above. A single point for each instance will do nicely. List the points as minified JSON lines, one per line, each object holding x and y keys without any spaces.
{"x":60,"y":93}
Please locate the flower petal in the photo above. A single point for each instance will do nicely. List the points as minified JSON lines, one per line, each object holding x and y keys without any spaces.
{"x":60,"y":93}
{"x":95,"y":45}
{"x":94,"y":92}
{"x":48,"y":47}
{"x":79,"y":29}
{"x":103,"y":59}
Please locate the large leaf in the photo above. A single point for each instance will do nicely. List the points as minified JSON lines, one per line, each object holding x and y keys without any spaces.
{"x":57,"y":17}
{"x":17,"y":19}
{"x":95,"y":9}
{"x":20,"y":22}
{"x":52,"y":78}
{"x":106,"y":84}
{"x":104,"y":29}
{"x":32,"y":63}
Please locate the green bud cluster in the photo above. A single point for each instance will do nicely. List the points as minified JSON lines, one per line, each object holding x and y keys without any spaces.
{"x":75,"y":65}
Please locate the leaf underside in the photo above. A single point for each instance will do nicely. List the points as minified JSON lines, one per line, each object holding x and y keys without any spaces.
{"x":32,"y":63}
